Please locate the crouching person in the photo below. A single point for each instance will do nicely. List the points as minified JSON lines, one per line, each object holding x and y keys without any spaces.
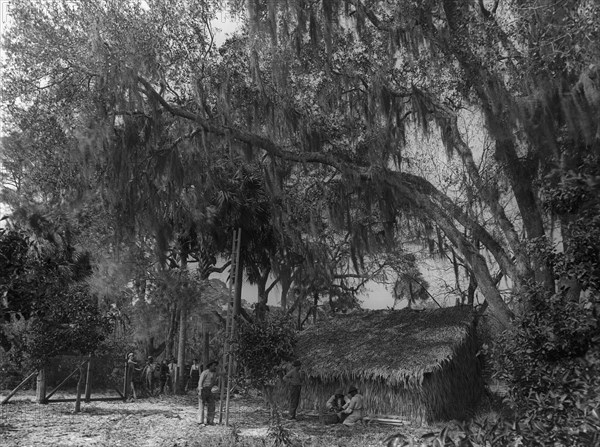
{"x":206,"y":402}
{"x":336,"y":404}
{"x":353,"y":409}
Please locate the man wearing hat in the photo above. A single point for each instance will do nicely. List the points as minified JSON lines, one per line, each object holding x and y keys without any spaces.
{"x":294,"y":379}
{"x":354,"y":408}
{"x":208,"y":379}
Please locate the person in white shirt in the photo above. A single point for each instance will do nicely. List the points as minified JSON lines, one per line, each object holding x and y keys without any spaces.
{"x":208,"y":379}
{"x":354,"y":408}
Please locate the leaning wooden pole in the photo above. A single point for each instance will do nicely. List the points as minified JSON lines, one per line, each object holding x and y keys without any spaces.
{"x":88,"y":380}
{"x":65,"y":380}
{"x":18,"y":387}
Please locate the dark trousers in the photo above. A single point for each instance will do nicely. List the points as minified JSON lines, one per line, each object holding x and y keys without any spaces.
{"x":294,"y":399}
{"x":208,"y":403}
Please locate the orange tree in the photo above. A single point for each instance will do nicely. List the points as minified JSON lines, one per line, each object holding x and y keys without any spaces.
{"x":263,"y":348}
{"x":47,"y":307}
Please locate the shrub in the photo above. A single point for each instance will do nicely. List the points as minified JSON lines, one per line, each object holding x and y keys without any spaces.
{"x":263,"y":347}
{"x":552,"y":365}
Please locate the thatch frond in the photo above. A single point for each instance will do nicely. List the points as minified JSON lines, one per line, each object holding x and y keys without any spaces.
{"x":396,"y":347}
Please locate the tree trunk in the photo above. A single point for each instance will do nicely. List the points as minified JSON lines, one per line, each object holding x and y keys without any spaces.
{"x":285,"y":279}
{"x":496,"y":114}
{"x":262,"y":295}
{"x":170,"y":341}
{"x":456,"y":273}
{"x":88,"y":381}
{"x":150,"y":347}
{"x":471,"y":289}
{"x":520,"y":179}
{"x":181,"y":350}
{"x":299,"y":313}
{"x":205,"y":344}
{"x":476,"y":262}
{"x":286,"y":283}
{"x":237,"y":297}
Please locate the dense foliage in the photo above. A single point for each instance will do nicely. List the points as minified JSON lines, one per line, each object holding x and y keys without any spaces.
{"x":47,"y":308}
{"x":265,"y":347}
{"x":551,"y":361}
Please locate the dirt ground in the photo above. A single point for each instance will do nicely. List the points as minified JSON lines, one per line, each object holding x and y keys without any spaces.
{"x":167,"y":421}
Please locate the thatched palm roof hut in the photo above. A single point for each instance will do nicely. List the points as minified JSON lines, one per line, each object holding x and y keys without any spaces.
{"x":420,"y":365}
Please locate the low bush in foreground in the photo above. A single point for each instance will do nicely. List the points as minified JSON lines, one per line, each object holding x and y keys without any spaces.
{"x":551,"y":363}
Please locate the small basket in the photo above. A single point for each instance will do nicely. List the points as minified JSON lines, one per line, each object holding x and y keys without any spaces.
{"x":329,"y":418}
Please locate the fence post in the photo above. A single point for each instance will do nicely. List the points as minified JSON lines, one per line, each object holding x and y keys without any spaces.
{"x":79,"y":382}
{"x":126,"y":381}
{"x":40,"y":388}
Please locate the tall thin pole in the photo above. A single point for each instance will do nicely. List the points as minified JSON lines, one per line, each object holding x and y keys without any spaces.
{"x":233,"y":318}
{"x":232,"y":276}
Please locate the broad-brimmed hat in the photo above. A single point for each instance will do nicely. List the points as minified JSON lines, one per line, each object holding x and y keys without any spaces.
{"x":212,"y":362}
{"x":352,"y":389}
{"x":339,"y":391}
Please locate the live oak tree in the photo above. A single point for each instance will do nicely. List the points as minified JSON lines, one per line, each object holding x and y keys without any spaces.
{"x":426,"y":61}
{"x":336,"y":85}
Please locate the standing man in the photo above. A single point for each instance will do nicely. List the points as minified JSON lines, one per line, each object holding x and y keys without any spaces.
{"x":208,"y":379}
{"x":194,"y":375}
{"x":354,"y":408}
{"x":164,"y":375}
{"x":130,"y":372}
{"x":172,"y":374}
{"x":148,"y":374}
{"x":294,"y":379}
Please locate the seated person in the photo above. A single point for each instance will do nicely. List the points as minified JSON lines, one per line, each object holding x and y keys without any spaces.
{"x":354,"y":408}
{"x":336,"y":403}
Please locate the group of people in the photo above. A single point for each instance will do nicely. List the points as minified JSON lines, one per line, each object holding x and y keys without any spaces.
{"x":348,"y":407}
{"x":157,"y":376}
